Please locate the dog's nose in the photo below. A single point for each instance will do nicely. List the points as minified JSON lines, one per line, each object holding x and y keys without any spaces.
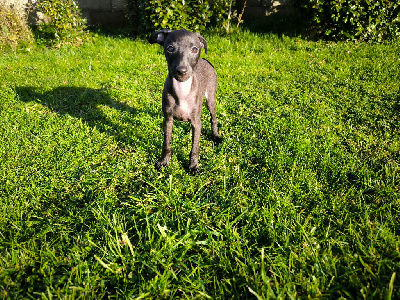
{"x":181,"y":70}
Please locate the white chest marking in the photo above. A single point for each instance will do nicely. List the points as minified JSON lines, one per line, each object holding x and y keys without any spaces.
{"x":182,"y":89}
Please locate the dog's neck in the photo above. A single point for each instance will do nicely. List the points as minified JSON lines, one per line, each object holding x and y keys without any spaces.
{"x":182,"y":89}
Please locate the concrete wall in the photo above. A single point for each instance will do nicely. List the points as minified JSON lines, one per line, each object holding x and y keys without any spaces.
{"x":104,"y":12}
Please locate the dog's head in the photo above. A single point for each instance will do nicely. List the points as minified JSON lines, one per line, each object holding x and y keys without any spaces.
{"x":182,"y":51}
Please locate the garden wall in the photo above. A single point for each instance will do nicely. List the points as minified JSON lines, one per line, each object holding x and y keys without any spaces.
{"x":104,"y":12}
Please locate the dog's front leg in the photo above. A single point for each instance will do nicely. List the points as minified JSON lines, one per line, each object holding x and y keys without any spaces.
{"x":166,"y":150}
{"x":194,"y":154}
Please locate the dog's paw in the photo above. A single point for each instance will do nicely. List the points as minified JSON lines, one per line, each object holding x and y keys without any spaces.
{"x":194,"y":170}
{"x":217,"y":140}
{"x":160,"y":164}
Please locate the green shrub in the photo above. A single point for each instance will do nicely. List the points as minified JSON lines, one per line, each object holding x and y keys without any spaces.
{"x":14,"y":29}
{"x":66,"y":25}
{"x":149,"y":15}
{"x":223,"y":14}
{"x":376,"y":20}
{"x":179,"y":14}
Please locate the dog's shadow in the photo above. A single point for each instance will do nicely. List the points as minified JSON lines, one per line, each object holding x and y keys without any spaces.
{"x":99,"y":110}
{"x":95,"y":107}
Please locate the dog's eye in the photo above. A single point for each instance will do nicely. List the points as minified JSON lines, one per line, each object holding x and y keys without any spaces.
{"x":170,"y":48}
{"x":195,"y":49}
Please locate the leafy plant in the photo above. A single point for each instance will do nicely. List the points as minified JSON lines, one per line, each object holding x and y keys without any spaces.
{"x":148,"y":15}
{"x":224,"y":14}
{"x":66,"y":24}
{"x":14,"y":29}
{"x":354,"y":19}
{"x":192,"y":15}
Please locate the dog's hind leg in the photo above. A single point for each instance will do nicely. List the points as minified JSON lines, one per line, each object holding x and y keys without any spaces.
{"x":212,"y":107}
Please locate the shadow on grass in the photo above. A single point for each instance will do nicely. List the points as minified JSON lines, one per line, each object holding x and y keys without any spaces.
{"x":89,"y":105}
{"x":97,"y":109}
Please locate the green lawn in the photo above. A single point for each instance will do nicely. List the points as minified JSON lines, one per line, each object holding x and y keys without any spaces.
{"x":301,"y":200}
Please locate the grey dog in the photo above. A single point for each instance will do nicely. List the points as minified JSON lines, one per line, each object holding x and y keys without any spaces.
{"x":189,"y":80}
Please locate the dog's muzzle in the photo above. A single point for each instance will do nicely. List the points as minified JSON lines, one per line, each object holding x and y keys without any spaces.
{"x":182,"y":73}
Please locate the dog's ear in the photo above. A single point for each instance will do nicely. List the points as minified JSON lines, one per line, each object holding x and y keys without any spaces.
{"x":203,"y":43}
{"x":159,"y":36}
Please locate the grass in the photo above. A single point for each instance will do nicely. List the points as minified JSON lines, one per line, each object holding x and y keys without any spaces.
{"x":301,"y":200}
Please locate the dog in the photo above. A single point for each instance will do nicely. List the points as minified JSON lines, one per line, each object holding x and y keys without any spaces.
{"x":190,"y":79}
